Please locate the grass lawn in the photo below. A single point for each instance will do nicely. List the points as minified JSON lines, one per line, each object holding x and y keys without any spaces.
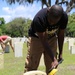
{"x":15,"y":65}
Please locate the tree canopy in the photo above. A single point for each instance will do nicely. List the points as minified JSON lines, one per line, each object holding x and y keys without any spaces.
{"x":2,"y":25}
{"x":71,"y":26}
{"x":70,"y":4}
{"x":18,"y":27}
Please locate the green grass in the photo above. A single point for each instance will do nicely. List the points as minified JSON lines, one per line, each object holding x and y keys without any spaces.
{"x":68,"y":65}
{"x":15,"y":65}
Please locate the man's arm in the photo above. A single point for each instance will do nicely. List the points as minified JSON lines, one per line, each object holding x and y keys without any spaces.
{"x":43,"y":39}
{"x":1,"y":40}
{"x":60,"y":42}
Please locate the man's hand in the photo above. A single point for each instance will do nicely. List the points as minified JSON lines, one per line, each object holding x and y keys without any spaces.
{"x":54,"y":63}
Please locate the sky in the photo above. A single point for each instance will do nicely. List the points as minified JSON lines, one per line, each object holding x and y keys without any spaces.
{"x":9,"y":12}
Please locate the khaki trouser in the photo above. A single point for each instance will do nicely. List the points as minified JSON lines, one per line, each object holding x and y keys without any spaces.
{"x":35,"y":51}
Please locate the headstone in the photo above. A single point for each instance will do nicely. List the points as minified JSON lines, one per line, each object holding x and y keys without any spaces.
{"x":66,"y":39}
{"x":7,"y":48}
{"x":73,"y":50}
{"x":71,"y":43}
{"x":22,"y":40}
{"x":1,"y":60}
{"x":16,"y":39}
{"x":36,"y":72}
{"x":42,"y":60}
{"x":18,"y":47}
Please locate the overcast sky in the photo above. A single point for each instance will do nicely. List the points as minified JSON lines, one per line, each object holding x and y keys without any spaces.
{"x":9,"y":12}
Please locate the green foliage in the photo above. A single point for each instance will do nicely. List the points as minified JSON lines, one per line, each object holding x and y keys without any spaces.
{"x":18,"y":27}
{"x":2,"y":21}
{"x":2,"y":26}
{"x":71,"y":26}
{"x":0,"y":31}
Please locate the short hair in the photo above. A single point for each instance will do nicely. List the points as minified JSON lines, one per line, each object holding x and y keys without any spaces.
{"x":55,"y":12}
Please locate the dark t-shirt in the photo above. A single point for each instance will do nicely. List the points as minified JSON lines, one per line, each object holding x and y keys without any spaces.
{"x":40,"y":24}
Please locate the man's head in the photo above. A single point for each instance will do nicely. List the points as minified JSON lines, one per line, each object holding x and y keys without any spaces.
{"x":54,"y":14}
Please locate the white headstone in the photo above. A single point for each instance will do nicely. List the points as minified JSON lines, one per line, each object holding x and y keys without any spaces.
{"x":18,"y":47}
{"x":22,"y":40}
{"x":36,"y":72}
{"x":73,"y":50}
{"x":42,"y":60}
{"x":66,"y":39}
{"x":71,"y":43}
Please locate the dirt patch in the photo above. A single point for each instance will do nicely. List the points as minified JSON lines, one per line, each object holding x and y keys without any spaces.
{"x":71,"y":67}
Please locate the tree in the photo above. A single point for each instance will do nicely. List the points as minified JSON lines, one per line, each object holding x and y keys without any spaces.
{"x":2,"y":26}
{"x":0,"y":31}
{"x":70,"y":4}
{"x":2,"y":21}
{"x":18,"y":27}
{"x":71,"y":26}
